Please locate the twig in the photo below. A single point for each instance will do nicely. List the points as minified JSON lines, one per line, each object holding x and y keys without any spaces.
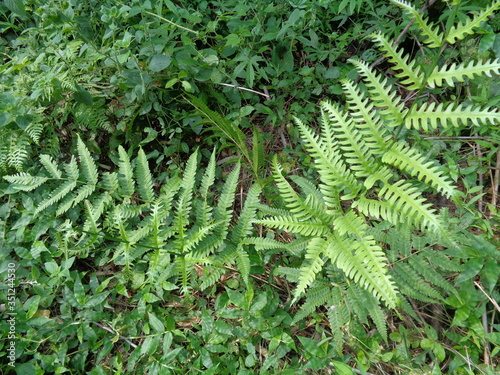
{"x":359,"y":372}
{"x":479,"y":155}
{"x":486,"y":294}
{"x":115,"y":333}
{"x":486,"y":354}
{"x":264,"y":94}
{"x":496,"y":182}
{"x":172,"y":23}
{"x":456,"y":138}
{"x":405,"y":30}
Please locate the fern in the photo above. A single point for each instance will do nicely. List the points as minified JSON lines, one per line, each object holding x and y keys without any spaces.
{"x":434,"y":38}
{"x":459,"y":31}
{"x":174,"y":227}
{"x":368,"y":178}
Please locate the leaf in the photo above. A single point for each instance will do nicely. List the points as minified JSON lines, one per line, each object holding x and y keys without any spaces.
{"x":17,"y":7}
{"x":159,"y":62}
{"x":89,"y":168}
{"x":155,"y":323}
{"x":144,"y":178}
{"x":81,"y":95}
{"x":232,"y":40}
{"x":79,"y":291}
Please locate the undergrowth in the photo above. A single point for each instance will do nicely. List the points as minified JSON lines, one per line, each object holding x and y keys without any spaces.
{"x":173,"y":202}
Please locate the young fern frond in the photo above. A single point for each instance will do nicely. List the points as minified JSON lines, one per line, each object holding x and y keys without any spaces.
{"x":64,"y":189}
{"x":312,"y":227}
{"x":354,"y":148}
{"x":367,"y":120}
{"x":363,"y":260}
{"x":243,"y":228}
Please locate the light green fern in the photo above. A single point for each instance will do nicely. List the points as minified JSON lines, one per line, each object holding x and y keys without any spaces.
{"x":367,"y":176}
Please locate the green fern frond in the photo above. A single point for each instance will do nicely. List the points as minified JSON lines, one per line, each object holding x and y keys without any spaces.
{"x":302,"y":209}
{"x":362,"y":260}
{"x":88,"y":167}
{"x":311,"y":227}
{"x":18,"y":150}
{"x":366,"y":119}
{"x":64,"y":189}
{"x":50,"y":166}
{"x":351,"y":142}
{"x":338,"y":317}
{"x":363,"y":304}
{"x":207,"y":181}
{"x":211,"y":278}
{"x":388,"y":102}
{"x":224,"y":210}
{"x":318,"y":295}
{"x":243,"y":263}
{"x":410,"y":160}
{"x":411,"y":284}
{"x":406,"y":199}
{"x":331,"y":167}
{"x":430,"y":114}
{"x":243,"y":228}
{"x":109,"y":181}
{"x":35,"y":130}
{"x":456,"y":73}
{"x":461,"y":30}
{"x":125,"y":173}
{"x":422,"y":267}
{"x":25,"y":182}
{"x":312,"y":265}
{"x":308,"y":187}
{"x":195,"y":235}
{"x":72,"y":200}
{"x":144,"y":178}
{"x":411,"y":74}
{"x":434,"y":38}
{"x":291,"y":274}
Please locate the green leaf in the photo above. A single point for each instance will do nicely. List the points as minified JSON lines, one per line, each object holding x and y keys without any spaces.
{"x":155,"y":323}
{"x":96,"y":299}
{"x":232,"y":40}
{"x":31,"y":306}
{"x":17,"y":7}
{"x":471,"y":269}
{"x":159,"y":63}
{"x":79,"y":291}
{"x":81,"y":95}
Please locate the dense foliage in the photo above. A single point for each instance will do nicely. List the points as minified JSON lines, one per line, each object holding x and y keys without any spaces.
{"x":240,"y":187}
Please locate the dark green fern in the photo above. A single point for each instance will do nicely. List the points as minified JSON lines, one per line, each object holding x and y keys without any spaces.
{"x":122,"y":217}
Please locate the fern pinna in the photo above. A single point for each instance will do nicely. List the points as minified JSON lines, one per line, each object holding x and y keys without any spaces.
{"x":366,"y":176}
{"x":160,"y":233}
